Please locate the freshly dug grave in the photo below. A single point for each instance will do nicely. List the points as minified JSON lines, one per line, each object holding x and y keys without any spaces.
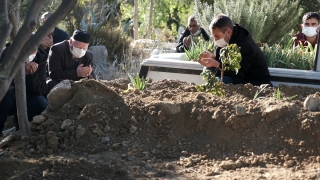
{"x":168,"y":131}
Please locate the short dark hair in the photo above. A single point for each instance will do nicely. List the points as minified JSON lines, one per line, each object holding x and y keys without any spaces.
{"x":310,"y":15}
{"x":221,"y":22}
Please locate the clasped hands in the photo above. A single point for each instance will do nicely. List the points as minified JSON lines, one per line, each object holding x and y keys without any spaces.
{"x":84,"y":71}
{"x":31,"y":67}
{"x":47,"y":42}
{"x":208,"y":59}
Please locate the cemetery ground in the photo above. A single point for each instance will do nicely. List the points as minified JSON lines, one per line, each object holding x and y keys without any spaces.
{"x":96,"y":129}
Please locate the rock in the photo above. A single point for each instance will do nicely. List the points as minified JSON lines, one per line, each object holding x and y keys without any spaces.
{"x":51,"y":134}
{"x":100,"y":61}
{"x":228,"y":165}
{"x":169,"y":166}
{"x":105,"y":139}
{"x":59,"y":95}
{"x":98,"y":131}
{"x":289,"y":163}
{"x":185,"y":152}
{"x":133,"y":129}
{"x":312,"y":103}
{"x":4,"y":154}
{"x":80,"y":132}
{"x":241,"y":111}
{"x":7,"y":140}
{"x":53,"y":142}
{"x":106,"y":129}
{"x":65,"y":124}
{"x":38,"y":119}
{"x":20,"y":155}
{"x":116,"y":146}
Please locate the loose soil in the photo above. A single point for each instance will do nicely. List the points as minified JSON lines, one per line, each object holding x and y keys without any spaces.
{"x":169,"y":131}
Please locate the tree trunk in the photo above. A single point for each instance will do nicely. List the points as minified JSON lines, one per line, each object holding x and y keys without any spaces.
{"x":19,"y":79}
{"x":21,"y":102}
{"x":150,"y":19}
{"x":5,"y":25}
{"x":135,"y":20}
{"x":25,"y":45}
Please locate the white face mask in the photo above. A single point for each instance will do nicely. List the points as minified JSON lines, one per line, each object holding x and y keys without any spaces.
{"x":309,"y":31}
{"x":196,"y":33}
{"x":77,"y":52}
{"x":31,"y":57}
{"x":221,"y":42}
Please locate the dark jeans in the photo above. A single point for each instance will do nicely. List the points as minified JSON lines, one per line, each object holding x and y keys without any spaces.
{"x":35,"y":105}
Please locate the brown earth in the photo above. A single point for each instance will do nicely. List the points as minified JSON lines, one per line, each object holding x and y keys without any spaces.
{"x":169,"y":131}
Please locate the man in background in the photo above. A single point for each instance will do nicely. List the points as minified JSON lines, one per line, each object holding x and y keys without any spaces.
{"x":55,"y":36}
{"x":193,"y":30}
{"x":310,"y":23}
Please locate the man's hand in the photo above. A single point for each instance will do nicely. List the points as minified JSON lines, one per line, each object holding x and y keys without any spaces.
{"x":84,"y":71}
{"x":47,"y":42}
{"x":209,"y":62}
{"x":31,"y":67}
{"x":187,"y":41}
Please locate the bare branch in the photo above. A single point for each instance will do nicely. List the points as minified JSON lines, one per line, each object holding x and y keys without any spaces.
{"x":5,"y":25}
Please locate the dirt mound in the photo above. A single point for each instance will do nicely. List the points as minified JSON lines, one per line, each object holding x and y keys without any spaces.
{"x":167,"y":131}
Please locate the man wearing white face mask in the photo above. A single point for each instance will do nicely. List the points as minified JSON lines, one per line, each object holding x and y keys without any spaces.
{"x":310,"y":23}
{"x":254,"y":68}
{"x":70,"y":59}
{"x":36,"y":87}
{"x":193,"y":30}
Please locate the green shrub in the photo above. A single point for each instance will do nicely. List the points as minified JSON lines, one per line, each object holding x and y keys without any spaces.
{"x":267,"y":21}
{"x":113,"y":38}
{"x":291,"y":57}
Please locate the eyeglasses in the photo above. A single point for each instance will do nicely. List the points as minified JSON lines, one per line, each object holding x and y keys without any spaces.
{"x":193,"y":26}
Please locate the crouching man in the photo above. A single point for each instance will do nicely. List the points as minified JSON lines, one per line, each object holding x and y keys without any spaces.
{"x":36,"y":87}
{"x":70,"y":59}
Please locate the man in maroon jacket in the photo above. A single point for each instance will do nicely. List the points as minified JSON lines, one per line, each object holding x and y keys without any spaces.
{"x":70,"y":59}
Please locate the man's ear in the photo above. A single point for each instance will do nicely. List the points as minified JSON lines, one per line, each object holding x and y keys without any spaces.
{"x":301,"y":25}
{"x":70,"y":41}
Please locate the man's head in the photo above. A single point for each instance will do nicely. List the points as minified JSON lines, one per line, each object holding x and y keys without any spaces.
{"x":79,"y":43}
{"x":193,"y":25}
{"x":310,"y":22}
{"x":310,"y":19}
{"x":45,"y":17}
{"x":221,"y":28}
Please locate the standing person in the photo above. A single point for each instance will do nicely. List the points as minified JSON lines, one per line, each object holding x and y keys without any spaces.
{"x":70,"y":59}
{"x":310,"y":23}
{"x":36,"y":87}
{"x":55,"y":36}
{"x":254,"y":68}
{"x":193,"y":30}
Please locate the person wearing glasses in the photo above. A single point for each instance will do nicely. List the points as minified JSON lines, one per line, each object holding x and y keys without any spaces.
{"x":193,"y":30}
{"x":55,"y":36}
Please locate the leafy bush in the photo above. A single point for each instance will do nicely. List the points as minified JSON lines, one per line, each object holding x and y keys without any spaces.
{"x":113,"y":38}
{"x":198,"y":45}
{"x":291,"y":57}
{"x":267,"y":21}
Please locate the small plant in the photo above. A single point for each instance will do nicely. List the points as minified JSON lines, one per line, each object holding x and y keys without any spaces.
{"x":258,"y":92}
{"x":290,"y":56}
{"x":230,"y":57}
{"x":277,"y":94}
{"x":137,"y":82}
{"x":198,"y":45}
{"x":212,"y":84}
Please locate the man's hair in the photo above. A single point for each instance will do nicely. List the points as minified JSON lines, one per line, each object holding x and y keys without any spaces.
{"x":46,"y":15}
{"x":193,"y":18}
{"x":221,"y":22}
{"x":310,"y":15}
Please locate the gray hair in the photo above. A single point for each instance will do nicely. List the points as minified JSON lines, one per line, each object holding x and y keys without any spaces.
{"x":193,"y":18}
{"x":46,"y":15}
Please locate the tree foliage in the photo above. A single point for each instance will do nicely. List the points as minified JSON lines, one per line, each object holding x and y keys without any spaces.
{"x":267,"y":21}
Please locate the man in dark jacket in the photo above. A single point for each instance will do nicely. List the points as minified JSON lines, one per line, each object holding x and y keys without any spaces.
{"x":36,"y":87}
{"x":193,"y":30}
{"x":254,"y":68}
{"x":70,"y":59}
{"x":55,"y":36}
